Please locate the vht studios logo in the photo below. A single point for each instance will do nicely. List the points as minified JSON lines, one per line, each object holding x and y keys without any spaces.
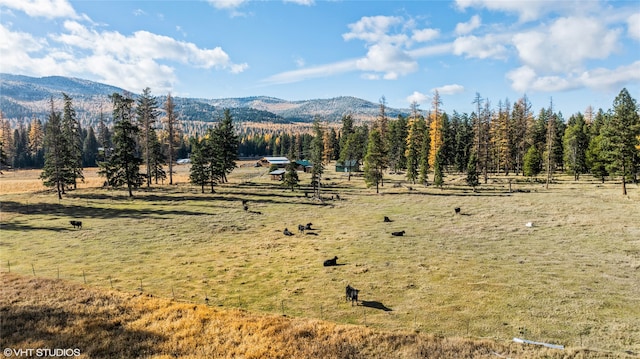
{"x":41,"y":352}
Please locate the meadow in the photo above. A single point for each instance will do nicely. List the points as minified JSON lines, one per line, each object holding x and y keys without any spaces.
{"x":570,"y":279}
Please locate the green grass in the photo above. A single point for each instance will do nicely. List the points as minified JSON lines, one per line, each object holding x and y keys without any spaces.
{"x":571,"y":279}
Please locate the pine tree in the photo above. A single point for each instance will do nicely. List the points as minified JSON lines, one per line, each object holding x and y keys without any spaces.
{"x":414,"y":143}
{"x":90,"y":149}
{"x":438,"y":175}
{"x":123,"y":166}
{"x":147,"y":113}
{"x":228,"y":145}
{"x":3,"y":156}
{"x":73,"y":136}
{"x":291,"y":179}
{"x":158,"y":158}
{"x":55,"y":172}
{"x":576,"y":142}
{"x":532,"y":162}
{"x":316,"y":157}
{"x":472,"y":171}
{"x":171,"y":125}
{"x":620,"y":138}
{"x":198,"y":174}
{"x":397,"y":140}
{"x":374,"y":161}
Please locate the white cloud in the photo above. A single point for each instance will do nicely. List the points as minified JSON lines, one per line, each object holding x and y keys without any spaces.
{"x":566,"y":44}
{"x":526,"y":10}
{"x":42,"y":8}
{"x":226,"y":4}
{"x":633,"y":26}
{"x":464,"y":28}
{"x":525,"y":79}
{"x":449,"y":89}
{"x":311,"y":72}
{"x":425,"y":35}
{"x":375,"y":29}
{"x":388,"y":59}
{"x":139,"y":12}
{"x":418,"y":98}
{"x":489,"y":46}
{"x":301,"y":2}
{"x":132,"y":62}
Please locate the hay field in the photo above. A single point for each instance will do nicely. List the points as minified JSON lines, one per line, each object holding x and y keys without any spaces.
{"x":571,"y":279}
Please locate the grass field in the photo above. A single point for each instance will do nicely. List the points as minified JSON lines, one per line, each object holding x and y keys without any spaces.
{"x":571,"y":279}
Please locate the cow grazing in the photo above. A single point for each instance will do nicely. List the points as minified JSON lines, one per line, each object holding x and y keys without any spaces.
{"x":352,"y":294}
{"x":301,"y":228}
{"x":386,"y":219}
{"x":308,"y":227}
{"x":398,"y":234}
{"x":287,"y":232}
{"x":331,"y":262}
{"x":76,"y":224}
{"x":457,"y":209}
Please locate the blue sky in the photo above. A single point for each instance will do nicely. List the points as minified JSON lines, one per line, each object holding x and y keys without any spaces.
{"x":576,"y":53}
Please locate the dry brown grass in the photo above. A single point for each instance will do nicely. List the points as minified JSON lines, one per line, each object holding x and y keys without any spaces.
{"x":44,"y":313}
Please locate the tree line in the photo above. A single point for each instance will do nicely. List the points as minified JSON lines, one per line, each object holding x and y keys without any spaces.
{"x":425,"y":145}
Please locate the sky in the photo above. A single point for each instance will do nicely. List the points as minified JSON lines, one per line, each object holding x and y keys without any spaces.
{"x":563,"y":53}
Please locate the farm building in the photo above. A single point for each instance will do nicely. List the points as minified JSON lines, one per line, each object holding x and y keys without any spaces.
{"x":348,"y":166}
{"x":277,"y":175}
{"x":304,"y":166}
{"x":280,"y":162}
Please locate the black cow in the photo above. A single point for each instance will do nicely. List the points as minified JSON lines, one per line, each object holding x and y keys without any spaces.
{"x":457,"y":209}
{"x":287,"y":232}
{"x":308,"y":227}
{"x":76,"y":224}
{"x":352,"y":294}
{"x":301,"y":228}
{"x":398,"y":234}
{"x":386,"y":219}
{"x":331,"y":262}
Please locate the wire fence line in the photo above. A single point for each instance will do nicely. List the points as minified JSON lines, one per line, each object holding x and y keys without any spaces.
{"x":337,"y":310}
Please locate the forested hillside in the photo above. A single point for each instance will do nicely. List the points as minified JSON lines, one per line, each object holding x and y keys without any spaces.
{"x":511,"y":138}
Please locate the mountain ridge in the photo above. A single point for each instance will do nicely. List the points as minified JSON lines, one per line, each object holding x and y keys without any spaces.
{"x":26,"y":97}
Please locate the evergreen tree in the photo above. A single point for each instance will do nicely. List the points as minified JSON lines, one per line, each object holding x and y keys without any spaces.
{"x":3,"y":156}
{"x":532,"y":162}
{"x":213,"y":156}
{"x":576,"y":143}
{"x":158,"y":158}
{"x":104,"y":139}
{"x":73,"y":137}
{"x":55,"y":172}
{"x":414,"y":142}
{"x":147,"y":113}
{"x":171,"y":126}
{"x":397,"y":140}
{"x":198,"y":174}
{"x":472,"y":171}
{"x":90,"y":149}
{"x":316,"y":157}
{"x":123,"y":166}
{"x":620,"y":138}
{"x":438,"y":175}
{"x":595,"y":158}
{"x":228,"y":145}
{"x":291,"y":179}
{"x":463,"y":141}
{"x":374,"y":161}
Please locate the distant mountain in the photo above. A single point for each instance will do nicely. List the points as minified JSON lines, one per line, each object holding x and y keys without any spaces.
{"x":22,"y":97}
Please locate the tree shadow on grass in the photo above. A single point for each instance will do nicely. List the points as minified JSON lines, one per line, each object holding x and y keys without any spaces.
{"x":375,"y":305}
